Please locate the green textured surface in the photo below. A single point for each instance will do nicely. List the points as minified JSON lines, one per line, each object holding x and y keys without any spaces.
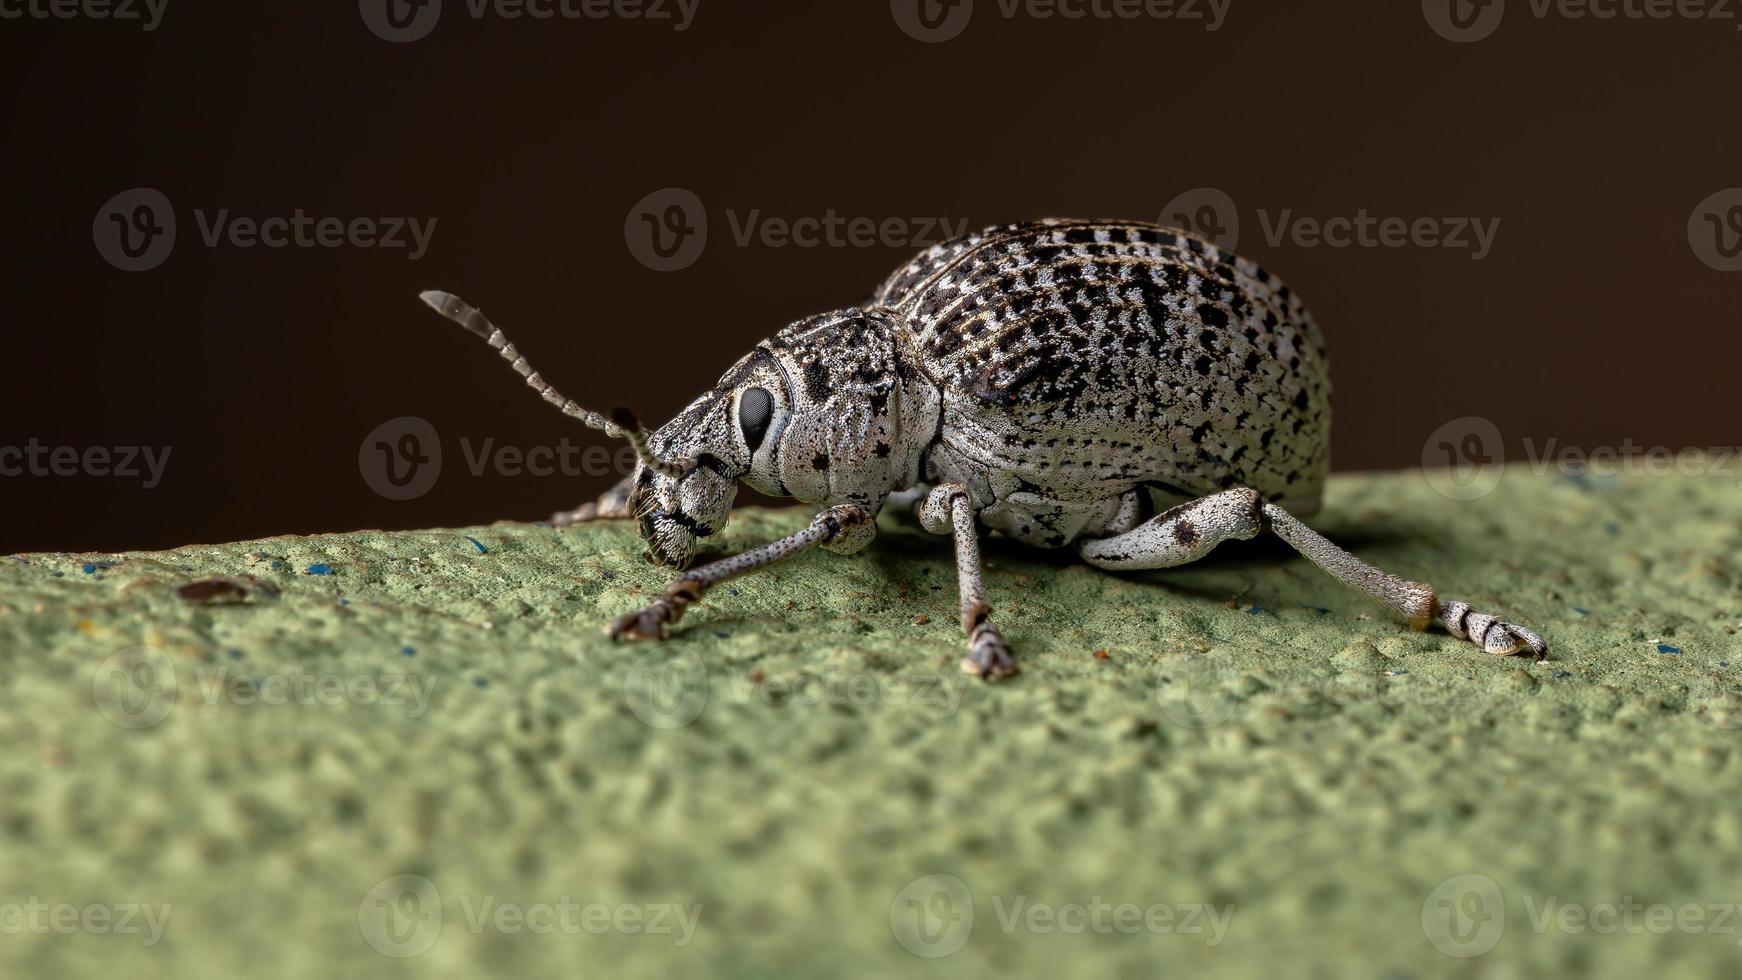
{"x":1254,"y":737}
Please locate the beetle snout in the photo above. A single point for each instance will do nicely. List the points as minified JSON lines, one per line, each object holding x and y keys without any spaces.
{"x":673,"y":514}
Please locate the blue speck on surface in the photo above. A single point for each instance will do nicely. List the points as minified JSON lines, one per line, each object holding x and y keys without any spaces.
{"x":320,"y":569}
{"x":481,"y":681}
{"x":1255,"y":610}
{"x":1723,"y":663}
{"x":1581,"y":610}
{"x":344,"y":602}
{"x":731,"y":591}
{"x":1666,"y":648}
{"x":409,"y":651}
{"x":277,"y":565}
{"x":60,"y":575}
{"x":478,"y":545}
{"x":722,"y":634}
{"x":90,"y":569}
{"x":235,"y":654}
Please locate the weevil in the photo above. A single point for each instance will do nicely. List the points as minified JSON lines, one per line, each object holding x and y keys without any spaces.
{"x":1121,"y":388}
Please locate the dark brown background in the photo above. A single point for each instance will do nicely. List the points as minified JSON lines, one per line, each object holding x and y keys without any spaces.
{"x":1593,"y":141}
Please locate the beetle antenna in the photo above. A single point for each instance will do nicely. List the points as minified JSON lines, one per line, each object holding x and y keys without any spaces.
{"x":624,"y":425}
{"x":633,"y":431}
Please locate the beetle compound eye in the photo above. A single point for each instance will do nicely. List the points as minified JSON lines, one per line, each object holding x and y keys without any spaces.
{"x":755,"y":409}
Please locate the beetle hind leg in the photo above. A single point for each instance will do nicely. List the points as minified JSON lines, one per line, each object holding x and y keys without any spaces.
{"x":1191,"y":530}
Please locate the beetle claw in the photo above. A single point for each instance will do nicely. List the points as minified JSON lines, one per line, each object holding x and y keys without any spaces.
{"x":643,"y":624}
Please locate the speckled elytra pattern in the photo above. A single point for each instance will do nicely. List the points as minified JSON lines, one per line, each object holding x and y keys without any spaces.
{"x":1121,"y":387}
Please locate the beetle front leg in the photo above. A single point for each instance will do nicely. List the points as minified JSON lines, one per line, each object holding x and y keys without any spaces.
{"x":948,"y":509}
{"x":612,"y":505}
{"x":843,"y":529}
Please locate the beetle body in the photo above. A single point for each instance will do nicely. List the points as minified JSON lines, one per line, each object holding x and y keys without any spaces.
{"x":1080,"y":362}
{"x":1122,"y":387}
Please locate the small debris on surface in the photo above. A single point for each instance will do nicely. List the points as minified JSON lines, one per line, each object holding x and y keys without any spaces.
{"x":478,"y":545}
{"x":409,"y":651}
{"x":317,"y":569}
{"x":224,"y":591}
{"x":922,"y":619}
{"x":1666,"y":648}
{"x":1103,"y":655}
{"x":1581,"y":610}
{"x":1395,"y":673}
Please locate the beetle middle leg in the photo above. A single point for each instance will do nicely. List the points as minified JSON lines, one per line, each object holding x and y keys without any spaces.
{"x":843,"y":529}
{"x":946,"y":509}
